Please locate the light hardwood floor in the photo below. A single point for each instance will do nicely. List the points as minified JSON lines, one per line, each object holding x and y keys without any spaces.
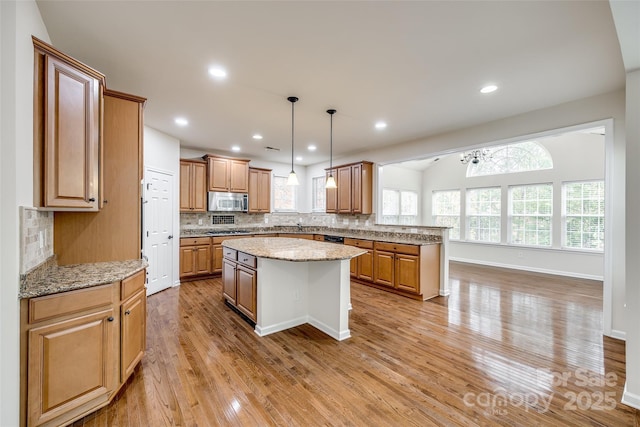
{"x":505,"y":348}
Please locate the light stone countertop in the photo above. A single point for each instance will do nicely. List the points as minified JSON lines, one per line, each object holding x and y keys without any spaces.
{"x":290,"y":249}
{"x":50,"y":278}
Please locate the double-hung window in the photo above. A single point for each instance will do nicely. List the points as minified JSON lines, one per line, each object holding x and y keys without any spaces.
{"x":318,"y":194}
{"x":399,"y":207}
{"x":445,"y":211}
{"x":530,"y":214}
{"x":583,"y":215}
{"x":284,"y":196}
{"x":483,"y":214}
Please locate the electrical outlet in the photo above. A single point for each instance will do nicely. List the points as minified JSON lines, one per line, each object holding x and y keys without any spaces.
{"x":266,"y":220}
{"x":366,"y":223}
{"x":41,"y":239}
{"x":200,"y":221}
{"x":345,"y":222}
{"x":357,"y":221}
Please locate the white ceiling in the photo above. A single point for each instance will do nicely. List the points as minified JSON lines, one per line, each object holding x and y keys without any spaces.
{"x":417,"y":65}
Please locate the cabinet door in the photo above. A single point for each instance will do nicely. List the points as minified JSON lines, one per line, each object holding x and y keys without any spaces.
{"x":264,"y":193}
{"x":229,"y":280}
{"x":356,"y":188}
{"x":238,"y":176}
{"x":254,"y":191}
{"x":344,"y":190}
{"x":70,"y":364}
{"x":383,"y":267}
{"x":217,"y":258}
{"x":185,"y":186}
{"x":133,"y":326}
{"x":365,"y":266}
{"x":71,"y":137}
{"x":198,"y":187}
{"x":218,"y":174}
{"x":246,"y":291}
{"x":331,"y":203}
{"x":187,"y":261}
{"x":407,"y":273}
{"x":202,"y":256}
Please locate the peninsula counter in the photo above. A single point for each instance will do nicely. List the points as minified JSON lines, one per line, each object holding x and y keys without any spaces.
{"x":282,"y":282}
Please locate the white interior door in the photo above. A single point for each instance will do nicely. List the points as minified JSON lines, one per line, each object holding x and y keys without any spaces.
{"x":158,"y":229}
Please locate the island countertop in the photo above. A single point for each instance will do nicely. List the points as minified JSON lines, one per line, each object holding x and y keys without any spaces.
{"x":290,"y":249}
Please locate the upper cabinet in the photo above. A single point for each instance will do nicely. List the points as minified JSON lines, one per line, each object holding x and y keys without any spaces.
{"x":67,"y":131}
{"x":193,"y":186}
{"x":227,"y":174}
{"x":259,"y":190}
{"x":354,"y":192}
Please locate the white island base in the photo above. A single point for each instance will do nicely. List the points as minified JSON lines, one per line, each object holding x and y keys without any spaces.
{"x":292,"y":293}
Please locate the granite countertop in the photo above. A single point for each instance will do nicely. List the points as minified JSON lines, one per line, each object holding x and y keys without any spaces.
{"x":50,"y":278}
{"x":364,"y":233}
{"x":290,"y":249}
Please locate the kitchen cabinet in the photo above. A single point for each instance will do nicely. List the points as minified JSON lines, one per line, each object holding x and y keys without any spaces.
{"x":195,"y":257}
{"x":239,"y":278}
{"x":362,"y":266}
{"x":80,"y":348}
{"x":354,"y":192}
{"x":407,"y":269}
{"x":193,"y":186}
{"x":227,"y":174}
{"x":113,"y":233}
{"x":259,"y":190}
{"x":67,"y":131}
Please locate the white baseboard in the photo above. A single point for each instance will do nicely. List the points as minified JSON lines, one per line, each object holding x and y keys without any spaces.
{"x":619,"y":335}
{"x":630,"y":399}
{"x":277,"y":327}
{"x":339,"y":335}
{"x":526,"y":268}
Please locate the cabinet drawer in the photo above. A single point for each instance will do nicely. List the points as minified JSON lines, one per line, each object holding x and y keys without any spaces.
{"x":230,"y":253}
{"x":65,"y":303}
{"x":132,"y":284}
{"x":246,"y":259}
{"x":398,"y":247}
{"x":365,"y":244}
{"x":192,"y":241}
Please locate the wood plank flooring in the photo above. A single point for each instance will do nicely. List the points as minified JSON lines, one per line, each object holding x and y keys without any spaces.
{"x":505,"y":348}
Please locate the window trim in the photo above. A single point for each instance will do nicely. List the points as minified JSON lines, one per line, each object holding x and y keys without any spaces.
{"x":510,"y":216}
{"x":273,"y":192}
{"x":313,"y":181}
{"x":459,"y":215}
{"x":563,"y":217}
{"x":468,"y":215}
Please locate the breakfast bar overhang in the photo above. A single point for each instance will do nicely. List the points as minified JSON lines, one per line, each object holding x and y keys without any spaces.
{"x":300,"y":281}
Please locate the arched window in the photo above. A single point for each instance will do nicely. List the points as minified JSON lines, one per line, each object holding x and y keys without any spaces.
{"x":517,"y":157}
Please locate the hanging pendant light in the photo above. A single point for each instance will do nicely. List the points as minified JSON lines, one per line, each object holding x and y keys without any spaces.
{"x":331,"y":181}
{"x":293,"y":178}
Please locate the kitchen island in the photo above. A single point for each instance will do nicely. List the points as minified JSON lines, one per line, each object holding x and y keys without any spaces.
{"x":281,"y":283}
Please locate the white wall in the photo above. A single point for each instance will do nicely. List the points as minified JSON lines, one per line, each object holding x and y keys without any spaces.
{"x":19,"y":20}
{"x":162,"y":154}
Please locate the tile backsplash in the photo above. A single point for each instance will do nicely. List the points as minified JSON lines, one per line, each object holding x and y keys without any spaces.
{"x":36,"y":237}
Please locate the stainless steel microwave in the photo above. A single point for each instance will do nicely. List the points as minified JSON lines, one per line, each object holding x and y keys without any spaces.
{"x":228,"y":202}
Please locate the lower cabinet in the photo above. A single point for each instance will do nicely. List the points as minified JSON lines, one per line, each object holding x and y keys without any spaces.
{"x":406,"y":269}
{"x":218,"y":255}
{"x":195,"y":257}
{"x":239,"y":279}
{"x":80,"y":347}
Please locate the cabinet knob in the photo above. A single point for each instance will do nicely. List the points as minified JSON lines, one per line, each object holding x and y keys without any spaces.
{"x":93,"y":199}
{"x":110,"y":318}
{"x":128,"y":312}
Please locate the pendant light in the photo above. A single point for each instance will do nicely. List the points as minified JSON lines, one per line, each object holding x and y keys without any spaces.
{"x":293,"y":178}
{"x":331,"y":181}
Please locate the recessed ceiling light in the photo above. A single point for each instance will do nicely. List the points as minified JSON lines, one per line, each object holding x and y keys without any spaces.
{"x":257,"y":136}
{"x":217,"y":72}
{"x":311,"y":147}
{"x":181,"y":121}
{"x":235,"y":148}
{"x":298,"y":158}
{"x":489,"y":89}
{"x":381,"y":125}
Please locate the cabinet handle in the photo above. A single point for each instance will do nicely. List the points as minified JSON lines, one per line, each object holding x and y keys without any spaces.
{"x":93,"y":199}
{"x":128,"y":312}
{"x":110,"y":318}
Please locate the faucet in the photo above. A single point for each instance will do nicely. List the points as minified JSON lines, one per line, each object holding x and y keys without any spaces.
{"x":299,"y":227}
